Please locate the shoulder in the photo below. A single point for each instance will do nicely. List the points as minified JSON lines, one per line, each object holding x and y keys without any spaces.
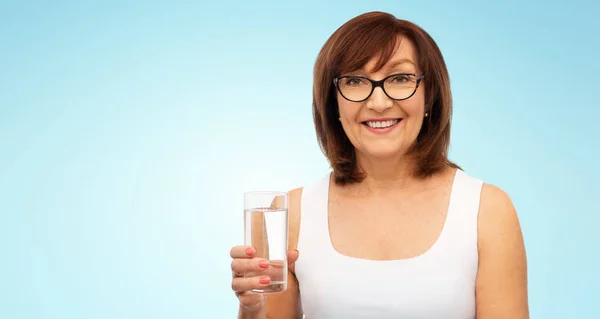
{"x":497,"y":214}
{"x":295,"y":194}
{"x":295,"y":206}
{"x":496,"y":209}
{"x":493,"y":195}
{"x":500,"y":244}
{"x":498,"y":222}
{"x":499,"y":229}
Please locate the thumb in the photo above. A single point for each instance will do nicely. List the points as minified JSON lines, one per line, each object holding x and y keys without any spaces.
{"x":292,"y":256}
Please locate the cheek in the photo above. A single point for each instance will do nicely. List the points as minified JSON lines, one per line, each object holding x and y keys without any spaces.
{"x":415,"y":110}
{"x":347,"y":110}
{"x":415,"y":106}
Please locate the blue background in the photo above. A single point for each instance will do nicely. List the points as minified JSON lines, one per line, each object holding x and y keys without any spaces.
{"x":129,"y":130}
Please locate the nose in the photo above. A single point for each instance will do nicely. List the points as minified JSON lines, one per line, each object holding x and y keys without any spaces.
{"x":379,"y":101}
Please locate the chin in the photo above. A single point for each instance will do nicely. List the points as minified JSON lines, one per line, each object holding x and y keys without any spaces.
{"x":383,"y":153}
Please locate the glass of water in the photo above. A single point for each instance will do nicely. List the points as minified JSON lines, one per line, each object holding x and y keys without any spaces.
{"x":266,"y":229}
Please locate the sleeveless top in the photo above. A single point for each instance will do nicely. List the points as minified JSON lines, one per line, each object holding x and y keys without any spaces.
{"x":439,"y":283}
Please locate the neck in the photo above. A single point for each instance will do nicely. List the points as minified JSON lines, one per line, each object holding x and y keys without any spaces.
{"x":385,"y":175}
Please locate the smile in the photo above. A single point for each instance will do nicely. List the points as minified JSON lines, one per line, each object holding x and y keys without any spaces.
{"x":382,"y":126}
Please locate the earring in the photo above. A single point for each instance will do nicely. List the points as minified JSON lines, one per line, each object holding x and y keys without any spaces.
{"x":426,"y":114}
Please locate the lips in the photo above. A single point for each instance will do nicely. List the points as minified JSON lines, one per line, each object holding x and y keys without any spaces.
{"x":382,"y":126}
{"x":381,"y":123}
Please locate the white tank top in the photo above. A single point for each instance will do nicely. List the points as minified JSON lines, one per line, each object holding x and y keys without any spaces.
{"x":437,"y":284}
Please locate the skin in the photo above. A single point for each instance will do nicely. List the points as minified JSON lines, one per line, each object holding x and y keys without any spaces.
{"x":410,"y":211}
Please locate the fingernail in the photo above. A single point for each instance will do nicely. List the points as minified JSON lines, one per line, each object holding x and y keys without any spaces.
{"x":265,"y":280}
{"x":250,"y":251}
{"x":263,"y":264}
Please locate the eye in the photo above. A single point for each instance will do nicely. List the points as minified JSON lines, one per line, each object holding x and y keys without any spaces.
{"x":401,"y":79}
{"x":353,"y":81}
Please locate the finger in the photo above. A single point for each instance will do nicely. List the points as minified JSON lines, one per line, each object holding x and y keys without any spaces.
{"x":240,"y":284}
{"x":240,"y":266}
{"x":242,"y":252}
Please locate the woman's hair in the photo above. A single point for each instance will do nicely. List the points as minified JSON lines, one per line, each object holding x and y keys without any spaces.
{"x":375,"y":35}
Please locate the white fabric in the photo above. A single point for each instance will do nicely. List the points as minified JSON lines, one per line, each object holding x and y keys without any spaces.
{"x":437,"y":284}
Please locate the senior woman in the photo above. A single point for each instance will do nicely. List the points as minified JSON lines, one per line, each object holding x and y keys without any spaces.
{"x":395,"y":230}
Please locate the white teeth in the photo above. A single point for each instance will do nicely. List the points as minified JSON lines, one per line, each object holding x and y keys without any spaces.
{"x":381,"y":124}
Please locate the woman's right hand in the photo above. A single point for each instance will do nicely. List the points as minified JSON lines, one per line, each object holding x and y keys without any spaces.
{"x":243,"y":262}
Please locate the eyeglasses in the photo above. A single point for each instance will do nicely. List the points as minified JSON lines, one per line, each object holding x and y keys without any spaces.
{"x":400,"y":86}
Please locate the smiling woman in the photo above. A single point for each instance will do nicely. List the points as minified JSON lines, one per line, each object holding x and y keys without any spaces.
{"x":396,"y":230}
{"x":403,"y":56}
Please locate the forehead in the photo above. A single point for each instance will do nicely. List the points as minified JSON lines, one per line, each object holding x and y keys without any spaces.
{"x":404,"y":54}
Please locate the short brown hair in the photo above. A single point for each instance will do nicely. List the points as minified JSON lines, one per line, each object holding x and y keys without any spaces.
{"x":370,"y":35}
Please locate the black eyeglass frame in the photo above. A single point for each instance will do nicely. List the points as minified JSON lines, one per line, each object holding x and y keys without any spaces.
{"x":374,"y":84}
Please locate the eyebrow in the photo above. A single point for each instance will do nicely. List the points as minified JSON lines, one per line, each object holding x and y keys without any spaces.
{"x":394,"y":64}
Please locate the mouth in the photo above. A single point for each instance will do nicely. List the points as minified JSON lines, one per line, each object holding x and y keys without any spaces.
{"x":382,"y":124}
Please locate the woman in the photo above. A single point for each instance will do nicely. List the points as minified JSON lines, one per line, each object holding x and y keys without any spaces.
{"x":396,"y":230}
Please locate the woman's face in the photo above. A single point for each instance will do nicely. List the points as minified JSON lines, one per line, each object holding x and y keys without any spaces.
{"x":380,"y":127}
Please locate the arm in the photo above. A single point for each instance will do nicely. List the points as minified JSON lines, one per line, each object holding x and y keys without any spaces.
{"x":501,"y":288}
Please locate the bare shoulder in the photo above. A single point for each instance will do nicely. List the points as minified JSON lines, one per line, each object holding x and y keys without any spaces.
{"x":502,"y":277}
{"x":497,"y":214}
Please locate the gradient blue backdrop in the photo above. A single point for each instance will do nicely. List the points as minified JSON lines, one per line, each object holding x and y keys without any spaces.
{"x":129,"y":130}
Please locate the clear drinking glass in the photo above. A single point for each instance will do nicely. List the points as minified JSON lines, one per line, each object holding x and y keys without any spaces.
{"x":266,"y":229}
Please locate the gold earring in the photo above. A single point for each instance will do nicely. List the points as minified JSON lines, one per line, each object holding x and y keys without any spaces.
{"x":426,"y":114}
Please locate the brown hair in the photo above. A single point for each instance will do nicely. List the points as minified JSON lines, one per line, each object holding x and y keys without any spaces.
{"x":375,"y":35}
